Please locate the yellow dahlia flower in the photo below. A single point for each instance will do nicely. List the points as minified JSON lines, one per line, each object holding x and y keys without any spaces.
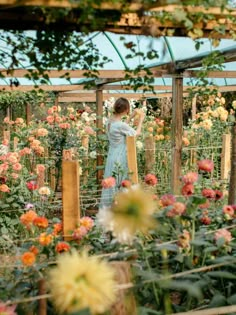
{"x":80,"y":281}
{"x":132,"y":213}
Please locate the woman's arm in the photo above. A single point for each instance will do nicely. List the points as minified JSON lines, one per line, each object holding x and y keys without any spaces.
{"x":140,"y":123}
{"x":133,"y":114}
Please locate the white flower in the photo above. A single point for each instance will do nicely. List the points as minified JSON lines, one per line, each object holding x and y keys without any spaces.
{"x":93,"y":155}
{"x":85,"y":116}
{"x":3,"y":149}
{"x":234,"y":104}
{"x":70,"y":109}
{"x":139,"y":145}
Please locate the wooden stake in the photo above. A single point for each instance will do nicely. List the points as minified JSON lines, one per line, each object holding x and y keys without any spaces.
{"x":125,"y":304}
{"x":150,"y":154}
{"x":42,"y":310}
{"x":232,"y":182}
{"x":40,"y":171}
{"x":225,"y":157}
{"x":7,"y":136}
{"x":53,"y":178}
{"x":194,"y":107}
{"x":15,"y":143}
{"x":99,"y":123}
{"x":70,"y":197}
{"x":176,"y":135}
{"x":28,"y":113}
{"x":132,"y":159}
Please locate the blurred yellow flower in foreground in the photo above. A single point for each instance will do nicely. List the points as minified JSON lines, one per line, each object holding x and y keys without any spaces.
{"x":80,"y":281}
{"x":132,"y":213}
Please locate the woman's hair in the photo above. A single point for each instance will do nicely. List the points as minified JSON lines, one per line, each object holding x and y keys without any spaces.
{"x":121,"y":106}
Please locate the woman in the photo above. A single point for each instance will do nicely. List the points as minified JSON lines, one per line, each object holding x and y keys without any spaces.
{"x":117,"y":130}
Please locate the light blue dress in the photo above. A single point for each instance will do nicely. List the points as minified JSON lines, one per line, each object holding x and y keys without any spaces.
{"x":116,"y":163}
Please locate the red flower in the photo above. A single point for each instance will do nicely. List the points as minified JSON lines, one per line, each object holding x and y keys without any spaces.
{"x":34,"y":249}
{"x":32,"y":185}
{"x":205,"y":205}
{"x":57,"y":228}
{"x":178,"y":209}
{"x":206,"y":165}
{"x":41,"y":222}
{"x":218,"y":195}
{"x":126,"y":183}
{"x":190,"y":178}
{"x":3,"y":180}
{"x":150,"y":179}
{"x":187,"y":190}
{"x":208,"y":193}
{"x":62,"y":247}
{"x":205,"y":220}
{"x":168,"y":200}
{"x":227,"y":209}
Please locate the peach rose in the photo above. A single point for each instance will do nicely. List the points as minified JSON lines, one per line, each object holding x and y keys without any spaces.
{"x":108,"y":182}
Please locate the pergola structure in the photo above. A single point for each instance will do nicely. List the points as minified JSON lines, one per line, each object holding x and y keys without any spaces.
{"x":19,"y":15}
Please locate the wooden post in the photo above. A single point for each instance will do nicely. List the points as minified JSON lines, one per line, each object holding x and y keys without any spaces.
{"x":40,"y":171}
{"x":193,"y":153}
{"x":53,"y":178}
{"x":15,"y":143}
{"x":85,"y":144}
{"x":42,"y":307}
{"x":56,"y":103}
{"x":232,"y":182}
{"x":125,"y":304}
{"x":225,"y":157}
{"x":150,"y":153}
{"x":194,"y":107}
{"x":132,"y":159}
{"x":70,"y":197}
{"x":28,"y":113}
{"x":7,"y":135}
{"x":176,"y":132}
{"x":99,"y":125}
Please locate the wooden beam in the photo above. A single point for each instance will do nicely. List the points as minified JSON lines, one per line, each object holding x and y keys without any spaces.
{"x":104,"y":74}
{"x":181,"y":65}
{"x":67,"y":4}
{"x":56,"y":88}
{"x":71,"y":91}
{"x":92,"y":98}
{"x":19,"y":15}
{"x":176,"y":134}
{"x":211,"y":74}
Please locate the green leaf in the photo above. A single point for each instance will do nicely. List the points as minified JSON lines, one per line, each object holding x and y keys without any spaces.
{"x":210,"y":249}
{"x":82,"y":312}
{"x":232,"y":299}
{"x":220,"y":242}
{"x":221,"y":274}
{"x":192,"y":288}
{"x":217,"y":300}
{"x":148,"y":311}
{"x":198,"y":200}
{"x":199,"y":243}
